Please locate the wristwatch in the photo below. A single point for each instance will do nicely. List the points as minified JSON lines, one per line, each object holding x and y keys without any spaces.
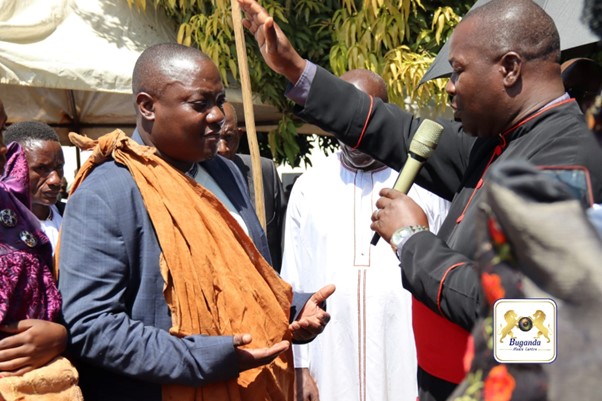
{"x":401,"y":235}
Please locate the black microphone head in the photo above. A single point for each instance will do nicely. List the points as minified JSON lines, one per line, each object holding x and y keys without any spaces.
{"x":425,"y":139}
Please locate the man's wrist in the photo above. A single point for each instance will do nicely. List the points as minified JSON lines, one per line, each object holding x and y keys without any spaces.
{"x":298,"y":91}
{"x":403,"y":234}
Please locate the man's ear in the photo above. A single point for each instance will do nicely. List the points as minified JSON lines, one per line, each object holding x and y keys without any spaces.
{"x":511,"y":67}
{"x":146,"y":105}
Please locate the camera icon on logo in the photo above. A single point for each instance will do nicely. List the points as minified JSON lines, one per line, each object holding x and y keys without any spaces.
{"x":525,"y":323}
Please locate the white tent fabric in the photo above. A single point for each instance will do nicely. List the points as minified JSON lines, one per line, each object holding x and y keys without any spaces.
{"x":54,"y":43}
{"x":69,"y":62}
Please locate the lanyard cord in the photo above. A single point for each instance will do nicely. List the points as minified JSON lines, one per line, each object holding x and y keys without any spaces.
{"x":497,"y":151}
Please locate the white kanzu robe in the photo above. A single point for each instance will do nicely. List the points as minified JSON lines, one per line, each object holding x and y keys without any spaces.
{"x":367,"y":351}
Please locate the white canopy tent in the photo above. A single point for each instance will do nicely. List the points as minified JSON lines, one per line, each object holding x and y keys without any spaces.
{"x":69,"y":63}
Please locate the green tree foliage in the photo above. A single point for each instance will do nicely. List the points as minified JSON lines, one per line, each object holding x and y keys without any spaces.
{"x":397,"y":39}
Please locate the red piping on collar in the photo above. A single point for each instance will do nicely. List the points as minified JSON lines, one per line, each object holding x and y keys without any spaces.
{"x":500,"y":148}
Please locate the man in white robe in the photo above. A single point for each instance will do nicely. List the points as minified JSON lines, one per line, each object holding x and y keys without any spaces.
{"x":367,"y":352}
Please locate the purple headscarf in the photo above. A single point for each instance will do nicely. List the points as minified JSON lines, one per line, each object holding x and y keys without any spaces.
{"x":27,"y":288}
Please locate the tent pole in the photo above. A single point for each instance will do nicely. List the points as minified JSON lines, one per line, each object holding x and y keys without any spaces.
{"x":75,"y":127}
{"x":247,"y":101}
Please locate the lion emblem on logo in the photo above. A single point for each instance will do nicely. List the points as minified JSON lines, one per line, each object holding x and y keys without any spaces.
{"x":511,"y":322}
{"x":538,"y":321}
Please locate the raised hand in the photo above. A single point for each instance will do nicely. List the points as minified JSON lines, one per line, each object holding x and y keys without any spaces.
{"x":313,"y":319}
{"x":275,"y":47}
{"x":252,"y":358}
{"x":30,"y":344}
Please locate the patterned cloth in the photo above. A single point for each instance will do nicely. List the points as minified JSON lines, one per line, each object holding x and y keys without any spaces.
{"x":536,"y":241}
{"x":487,"y":379}
{"x":27,"y":288}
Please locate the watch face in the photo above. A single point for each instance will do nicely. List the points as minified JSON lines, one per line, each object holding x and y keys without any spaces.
{"x":400,"y":236}
{"x":404,"y":233}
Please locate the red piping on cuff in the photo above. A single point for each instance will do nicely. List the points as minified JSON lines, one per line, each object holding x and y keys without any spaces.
{"x":440,"y":292}
{"x":365,"y":123}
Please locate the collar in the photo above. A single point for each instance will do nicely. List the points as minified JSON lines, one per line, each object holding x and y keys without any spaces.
{"x":509,"y":133}
{"x":559,"y":99}
{"x":193,"y":171}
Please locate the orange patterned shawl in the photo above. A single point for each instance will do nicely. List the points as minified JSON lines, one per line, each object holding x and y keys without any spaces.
{"x":216,"y":281}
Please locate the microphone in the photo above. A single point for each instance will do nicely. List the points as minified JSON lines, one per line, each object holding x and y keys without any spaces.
{"x":422,"y":146}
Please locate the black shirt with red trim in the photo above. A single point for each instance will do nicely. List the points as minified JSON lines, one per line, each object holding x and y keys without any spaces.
{"x":438,"y":269}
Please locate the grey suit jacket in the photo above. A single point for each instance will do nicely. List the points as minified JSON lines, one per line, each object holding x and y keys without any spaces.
{"x":112,"y":289}
{"x":274,"y":201}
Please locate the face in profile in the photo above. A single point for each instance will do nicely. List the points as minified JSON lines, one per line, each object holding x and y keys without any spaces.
{"x":46,"y":162}
{"x":229,"y":134}
{"x":473,"y":85}
{"x":64,"y":192}
{"x":187,"y":115}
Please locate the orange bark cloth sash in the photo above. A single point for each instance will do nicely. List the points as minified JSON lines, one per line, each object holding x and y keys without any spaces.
{"x":216,"y":281}
{"x":55,"y":381}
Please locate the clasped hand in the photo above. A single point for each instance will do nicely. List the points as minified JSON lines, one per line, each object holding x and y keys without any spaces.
{"x":30,"y":343}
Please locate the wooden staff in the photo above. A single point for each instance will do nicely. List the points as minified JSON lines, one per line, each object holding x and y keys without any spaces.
{"x":247,"y":102}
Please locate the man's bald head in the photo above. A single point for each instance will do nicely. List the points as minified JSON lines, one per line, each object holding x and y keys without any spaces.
{"x":582,"y":78}
{"x":374,"y":85}
{"x":161,"y":64}
{"x":520,"y":26}
{"x":178,"y":95}
{"x":505,"y":60}
{"x":368,"y":82}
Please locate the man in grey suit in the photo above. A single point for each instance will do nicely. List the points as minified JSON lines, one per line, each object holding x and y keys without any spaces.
{"x":116,"y":300}
{"x":274,"y":202}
